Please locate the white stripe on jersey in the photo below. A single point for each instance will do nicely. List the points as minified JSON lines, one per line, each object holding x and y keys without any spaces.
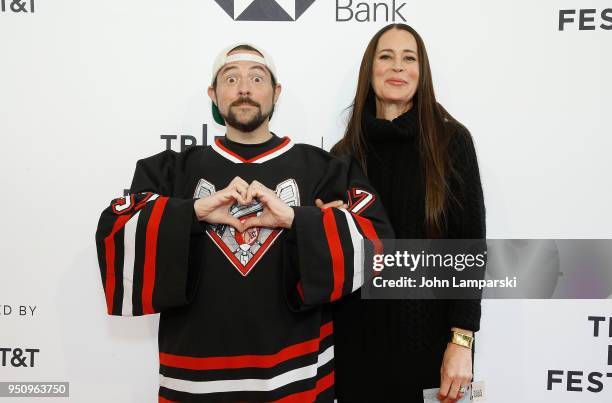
{"x":240,"y":385}
{"x":276,"y":153}
{"x":129,"y":255}
{"x":357,"y":240}
{"x":225,"y":153}
{"x":255,"y":160}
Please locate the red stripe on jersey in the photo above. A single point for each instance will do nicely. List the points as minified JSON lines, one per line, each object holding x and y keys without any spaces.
{"x":300,"y":290}
{"x":311,"y":395}
{"x":325,"y":383}
{"x":148,"y":282}
{"x":164,"y":400}
{"x":335,"y":249}
{"x":278,"y":147}
{"x":247,"y":361}
{"x":109,"y":246}
{"x":227,"y":150}
{"x":368,"y":229}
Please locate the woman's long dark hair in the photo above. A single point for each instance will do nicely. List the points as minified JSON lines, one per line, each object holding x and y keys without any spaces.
{"x":434,"y":136}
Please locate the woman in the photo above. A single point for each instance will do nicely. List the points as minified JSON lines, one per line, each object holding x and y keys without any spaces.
{"x":423,"y":164}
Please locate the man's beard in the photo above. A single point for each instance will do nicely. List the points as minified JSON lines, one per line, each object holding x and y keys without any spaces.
{"x":246,"y":127}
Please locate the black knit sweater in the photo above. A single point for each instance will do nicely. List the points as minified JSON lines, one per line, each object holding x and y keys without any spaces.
{"x":388,"y":351}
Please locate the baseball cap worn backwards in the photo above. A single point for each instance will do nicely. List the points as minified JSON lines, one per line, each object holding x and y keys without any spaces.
{"x":222,"y":59}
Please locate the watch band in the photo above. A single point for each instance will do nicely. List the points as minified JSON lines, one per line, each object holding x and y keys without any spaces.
{"x":461,"y":339}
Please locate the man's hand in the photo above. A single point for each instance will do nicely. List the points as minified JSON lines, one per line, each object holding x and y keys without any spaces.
{"x":214,"y":209}
{"x":276,"y":213}
{"x":456,"y":372}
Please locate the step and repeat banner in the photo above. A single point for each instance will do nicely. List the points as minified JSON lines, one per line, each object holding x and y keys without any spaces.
{"x":88,"y":87}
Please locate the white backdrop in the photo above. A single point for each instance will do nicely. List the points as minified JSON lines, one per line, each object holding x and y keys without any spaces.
{"x":88,"y":87}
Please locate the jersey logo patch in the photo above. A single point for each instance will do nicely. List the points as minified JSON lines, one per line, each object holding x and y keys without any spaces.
{"x":359,"y":200}
{"x":128,"y":204}
{"x":245,"y":249}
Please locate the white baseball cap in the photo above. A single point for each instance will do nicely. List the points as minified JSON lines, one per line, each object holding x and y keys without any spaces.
{"x":222,"y":59}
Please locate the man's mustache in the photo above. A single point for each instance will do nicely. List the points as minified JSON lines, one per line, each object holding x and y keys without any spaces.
{"x":245,"y":101}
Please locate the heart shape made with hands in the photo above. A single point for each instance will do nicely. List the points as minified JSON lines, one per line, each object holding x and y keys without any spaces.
{"x":244,"y":249}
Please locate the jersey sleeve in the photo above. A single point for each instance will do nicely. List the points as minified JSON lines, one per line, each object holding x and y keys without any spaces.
{"x":144,"y":242}
{"x":323,"y":249}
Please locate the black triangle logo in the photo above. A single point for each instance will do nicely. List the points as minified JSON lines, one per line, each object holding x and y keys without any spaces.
{"x":227,"y":6}
{"x":301,"y":6}
{"x":264,"y":10}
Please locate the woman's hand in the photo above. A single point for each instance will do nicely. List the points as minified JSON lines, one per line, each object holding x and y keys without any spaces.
{"x":337,"y":203}
{"x":456,"y":372}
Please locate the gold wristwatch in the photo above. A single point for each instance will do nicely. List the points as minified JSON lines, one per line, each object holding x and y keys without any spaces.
{"x":461,"y":339}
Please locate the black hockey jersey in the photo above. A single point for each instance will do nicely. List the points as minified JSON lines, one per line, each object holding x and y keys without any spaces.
{"x":244,"y":316}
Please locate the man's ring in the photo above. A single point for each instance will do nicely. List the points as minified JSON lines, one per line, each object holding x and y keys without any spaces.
{"x":462,"y":389}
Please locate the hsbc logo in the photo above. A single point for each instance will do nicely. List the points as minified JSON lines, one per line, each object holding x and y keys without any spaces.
{"x":265,"y":10}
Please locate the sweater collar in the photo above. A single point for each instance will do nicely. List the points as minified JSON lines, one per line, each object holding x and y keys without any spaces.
{"x":403,"y":128}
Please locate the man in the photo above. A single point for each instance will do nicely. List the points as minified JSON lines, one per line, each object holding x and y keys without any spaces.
{"x":243,"y":275}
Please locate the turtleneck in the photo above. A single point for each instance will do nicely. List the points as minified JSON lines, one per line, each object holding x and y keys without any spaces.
{"x":403,"y":128}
